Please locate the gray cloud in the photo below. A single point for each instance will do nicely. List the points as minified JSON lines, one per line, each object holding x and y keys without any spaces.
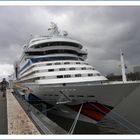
{"x":103,"y":30}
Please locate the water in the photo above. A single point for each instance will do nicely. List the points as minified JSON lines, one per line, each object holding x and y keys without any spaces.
{"x":109,"y":125}
{"x":81,"y":127}
{"x":113,"y":123}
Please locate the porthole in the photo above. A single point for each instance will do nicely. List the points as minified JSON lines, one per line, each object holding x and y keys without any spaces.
{"x":90,"y":96}
{"x":80,"y":96}
{"x":71,"y":95}
{"x":59,"y":76}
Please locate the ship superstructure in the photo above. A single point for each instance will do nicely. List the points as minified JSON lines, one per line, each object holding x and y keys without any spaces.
{"x":56,"y":59}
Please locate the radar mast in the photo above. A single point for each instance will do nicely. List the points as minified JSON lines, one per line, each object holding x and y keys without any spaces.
{"x":54,"y":31}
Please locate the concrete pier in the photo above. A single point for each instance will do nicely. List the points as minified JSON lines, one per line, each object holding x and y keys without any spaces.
{"x":18,"y":121}
{"x":3,"y":115}
{"x":22,"y":118}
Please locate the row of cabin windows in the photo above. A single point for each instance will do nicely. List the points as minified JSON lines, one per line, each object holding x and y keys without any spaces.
{"x":77,"y":75}
{"x":58,"y":63}
{"x":63,"y":69}
{"x":52,"y":70}
{"x":66,"y":63}
{"x":68,"y":76}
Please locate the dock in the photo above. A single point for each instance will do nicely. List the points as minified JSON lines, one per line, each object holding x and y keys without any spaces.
{"x":19,"y":117}
{"x":13,"y":119}
{"x":18,"y":121}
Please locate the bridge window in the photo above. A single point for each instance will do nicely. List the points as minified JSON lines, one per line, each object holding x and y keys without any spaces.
{"x":58,"y":43}
{"x":98,"y":74}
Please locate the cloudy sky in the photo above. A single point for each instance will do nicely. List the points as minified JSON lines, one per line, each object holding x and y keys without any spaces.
{"x":103,"y":30}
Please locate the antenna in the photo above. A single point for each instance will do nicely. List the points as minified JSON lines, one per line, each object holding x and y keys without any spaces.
{"x":123,"y":67}
{"x":54,"y":31}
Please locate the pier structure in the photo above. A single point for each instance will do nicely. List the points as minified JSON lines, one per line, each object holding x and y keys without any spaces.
{"x":13,"y":119}
{"x":16,"y":119}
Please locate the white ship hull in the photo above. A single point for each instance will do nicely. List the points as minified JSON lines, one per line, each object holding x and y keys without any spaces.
{"x":110,"y":94}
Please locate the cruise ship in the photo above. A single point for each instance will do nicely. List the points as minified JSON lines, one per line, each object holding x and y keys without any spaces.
{"x":54,"y":69}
